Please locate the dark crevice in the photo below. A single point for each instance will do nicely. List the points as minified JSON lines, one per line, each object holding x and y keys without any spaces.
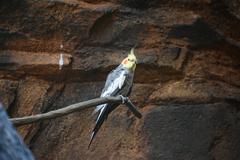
{"x":47,"y":106}
{"x":220,"y":79}
{"x":139,"y":4}
{"x":101,"y":24}
{"x":186,"y":61}
{"x":12,"y":106}
{"x":173,"y":101}
{"x":198,"y":34}
{"x":51,"y":99}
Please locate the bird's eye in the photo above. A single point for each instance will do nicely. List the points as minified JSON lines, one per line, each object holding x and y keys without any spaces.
{"x":130,"y":60}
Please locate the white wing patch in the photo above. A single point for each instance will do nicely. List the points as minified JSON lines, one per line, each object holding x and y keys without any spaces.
{"x":100,"y":113}
{"x":121,"y":81}
{"x":116,"y":84}
{"x":98,"y":108}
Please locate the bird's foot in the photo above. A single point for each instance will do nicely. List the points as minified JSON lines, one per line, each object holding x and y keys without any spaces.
{"x":124,"y":99}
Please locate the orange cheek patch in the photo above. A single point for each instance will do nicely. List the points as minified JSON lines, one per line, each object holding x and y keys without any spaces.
{"x":125,"y":61}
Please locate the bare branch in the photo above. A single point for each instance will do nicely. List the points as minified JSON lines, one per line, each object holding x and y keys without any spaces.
{"x":132,"y":108}
{"x":74,"y":108}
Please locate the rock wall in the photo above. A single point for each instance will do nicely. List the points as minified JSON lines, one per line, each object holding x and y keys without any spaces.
{"x":187,"y":82}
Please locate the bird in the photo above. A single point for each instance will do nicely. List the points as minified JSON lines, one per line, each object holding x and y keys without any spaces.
{"x":119,"y":83}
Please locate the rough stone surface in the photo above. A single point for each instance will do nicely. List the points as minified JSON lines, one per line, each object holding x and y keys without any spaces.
{"x":202,"y":131}
{"x":187,"y":81}
{"x":8,"y":92}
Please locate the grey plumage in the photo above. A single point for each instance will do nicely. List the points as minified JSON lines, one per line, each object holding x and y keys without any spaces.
{"x":119,"y":82}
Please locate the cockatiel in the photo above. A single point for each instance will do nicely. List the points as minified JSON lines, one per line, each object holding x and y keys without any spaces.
{"x":119,"y":82}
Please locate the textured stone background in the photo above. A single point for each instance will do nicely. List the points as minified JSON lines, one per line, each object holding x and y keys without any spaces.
{"x":187,"y":82}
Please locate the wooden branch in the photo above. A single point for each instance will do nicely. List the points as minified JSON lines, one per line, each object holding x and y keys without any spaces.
{"x":74,"y":108}
{"x":132,"y":108}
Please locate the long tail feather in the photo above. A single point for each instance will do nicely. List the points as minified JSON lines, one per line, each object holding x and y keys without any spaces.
{"x":92,"y":136}
{"x":99,"y":123}
{"x":97,"y":109}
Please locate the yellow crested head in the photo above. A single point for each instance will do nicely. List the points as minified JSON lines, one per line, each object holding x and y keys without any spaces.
{"x":130,"y":61}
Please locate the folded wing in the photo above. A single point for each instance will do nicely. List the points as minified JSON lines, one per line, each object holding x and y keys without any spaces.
{"x":114,"y":84}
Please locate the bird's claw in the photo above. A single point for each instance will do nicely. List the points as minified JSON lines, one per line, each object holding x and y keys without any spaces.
{"x":124,"y":99}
